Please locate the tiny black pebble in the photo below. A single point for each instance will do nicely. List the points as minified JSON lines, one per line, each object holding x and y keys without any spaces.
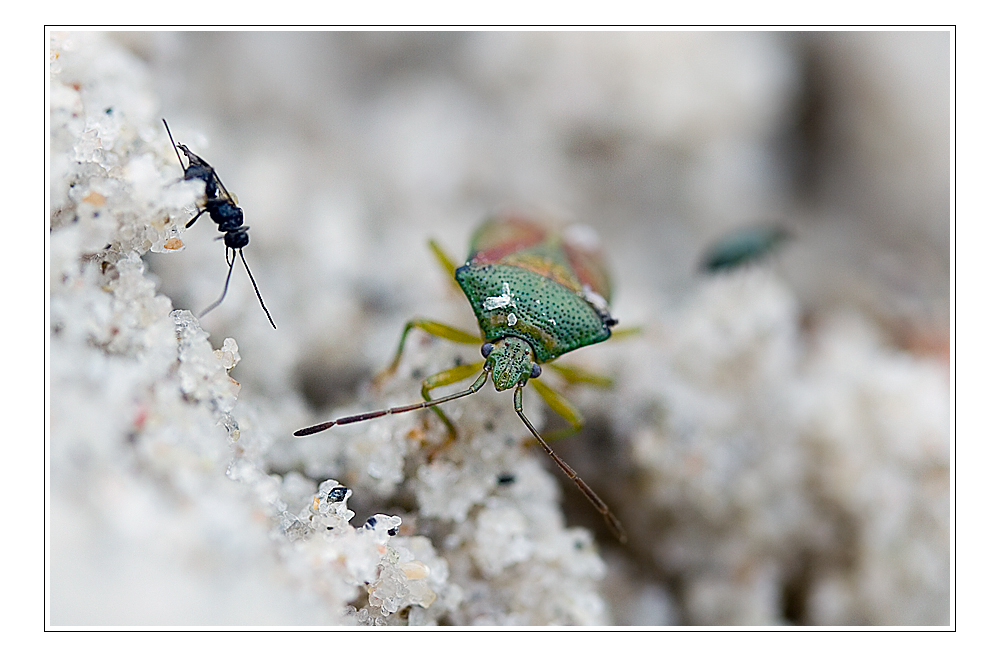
{"x":337,"y":494}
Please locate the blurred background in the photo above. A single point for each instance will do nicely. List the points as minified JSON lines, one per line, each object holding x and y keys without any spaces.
{"x":352,"y":149}
{"x":348,"y":151}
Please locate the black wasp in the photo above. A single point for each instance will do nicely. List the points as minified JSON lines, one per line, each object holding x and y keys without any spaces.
{"x":222,"y":208}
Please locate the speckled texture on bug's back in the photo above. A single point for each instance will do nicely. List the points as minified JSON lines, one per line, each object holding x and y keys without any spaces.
{"x":513,"y":301}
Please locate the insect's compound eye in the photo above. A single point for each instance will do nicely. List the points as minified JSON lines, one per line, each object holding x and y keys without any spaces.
{"x":487,"y":348}
{"x":536,"y":371}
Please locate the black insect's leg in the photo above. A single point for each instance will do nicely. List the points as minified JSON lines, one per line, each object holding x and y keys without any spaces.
{"x":195,"y":218}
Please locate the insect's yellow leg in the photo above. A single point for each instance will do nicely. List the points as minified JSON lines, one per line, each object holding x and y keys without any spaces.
{"x":447,"y":264}
{"x":580,"y":375}
{"x":562,"y":407}
{"x":434,"y":328}
{"x":447,"y":377}
{"x":447,"y":332}
{"x":626,"y":332}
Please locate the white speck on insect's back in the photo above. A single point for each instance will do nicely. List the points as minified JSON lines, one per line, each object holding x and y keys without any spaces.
{"x":502,"y":301}
{"x":511,"y":319}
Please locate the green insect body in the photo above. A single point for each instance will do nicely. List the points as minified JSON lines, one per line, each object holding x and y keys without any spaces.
{"x":512,"y":301}
{"x":743,"y":246}
{"x":523,"y":284}
{"x":537,"y":294}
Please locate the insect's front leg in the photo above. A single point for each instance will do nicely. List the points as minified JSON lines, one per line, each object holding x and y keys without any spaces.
{"x":447,"y":377}
{"x":434,"y":328}
{"x":195,"y":218}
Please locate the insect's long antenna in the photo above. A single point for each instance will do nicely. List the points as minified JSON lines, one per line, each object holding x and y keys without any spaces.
{"x":172,"y":143}
{"x":602,"y":508}
{"x":476,"y":385}
{"x":259,"y":298}
{"x":226,"y":286}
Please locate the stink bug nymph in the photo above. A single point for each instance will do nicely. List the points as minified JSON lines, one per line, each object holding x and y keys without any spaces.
{"x":537,"y":294}
{"x":221,"y":207}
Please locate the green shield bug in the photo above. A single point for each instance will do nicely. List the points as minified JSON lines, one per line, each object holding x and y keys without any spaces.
{"x":537,"y":294}
{"x":743,"y":246}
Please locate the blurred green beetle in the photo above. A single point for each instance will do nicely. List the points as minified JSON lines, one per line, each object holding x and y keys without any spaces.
{"x":743,"y":246}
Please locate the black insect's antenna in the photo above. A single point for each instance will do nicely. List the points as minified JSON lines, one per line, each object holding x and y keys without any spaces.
{"x":225,"y":288}
{"x":174,"y":144}
{"x":222,"y":209}
{"x":609,"y":518}
{"x":199,"y":169}
{"x":259,"y":298}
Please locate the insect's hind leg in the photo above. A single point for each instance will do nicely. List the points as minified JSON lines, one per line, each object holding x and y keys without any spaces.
{"x":563,"y":408}
{"x":625,"y":332}
{"x":581,"y":375}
